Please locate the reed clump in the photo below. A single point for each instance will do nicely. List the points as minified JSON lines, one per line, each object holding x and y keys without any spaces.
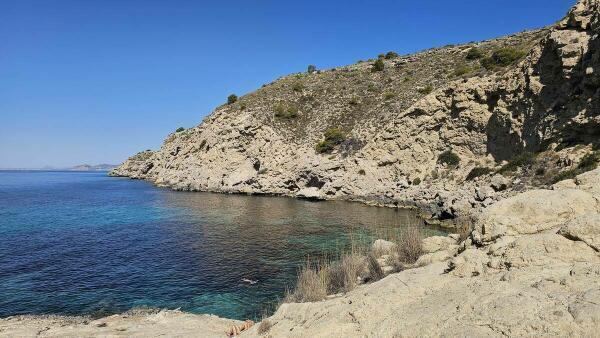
{"x":359,"y":264}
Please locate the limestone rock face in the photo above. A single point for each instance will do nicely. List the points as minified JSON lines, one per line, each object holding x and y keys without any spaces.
{"x":585,"y":228}
{"x":437,"y":243}
{"x":535,"y":282}
{"x":394,"y":132}
{"x":532,"y":212}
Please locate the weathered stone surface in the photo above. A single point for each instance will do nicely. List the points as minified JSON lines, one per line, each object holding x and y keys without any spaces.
{"x":382,"y":247}
{"x":166,"y":323}
{"x":531,"y":212}
{"x":437,"y":243}
{"x":585,"y":228}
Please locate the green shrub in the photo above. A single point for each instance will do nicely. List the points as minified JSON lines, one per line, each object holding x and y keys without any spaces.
{"x":487,"y":63}
{"x":333,"y":137}
{"x":565,"y":175}
{"x":477,"y":172}
{"x":324,"y":147}
{"x":378,"y":66}
{"x":297,"y":87}
{"x":243,"y":106}
{"x":232,"y":99}
{"x":506,"y":56}
{"x":502,"y":57}
{"x":180,"y":129}
{"x":381,"y":56}
{"x":449,"y":158}
{"x":311,"y":69}
{"x":462,"y":70}
{"x":524,"y":159}
{"x":416,"y":181}
{"x":474,"y":54}
{"x":588,"y":162}
{"x":353,"y":101}
{"x":391,"y":55}
{"x":389,"y":96}
{"x":286,"y":111}
{"x":425,"y":90}
{"x":362,"y":172}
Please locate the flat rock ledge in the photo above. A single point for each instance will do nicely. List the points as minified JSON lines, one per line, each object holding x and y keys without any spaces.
{"x":531,"y":267}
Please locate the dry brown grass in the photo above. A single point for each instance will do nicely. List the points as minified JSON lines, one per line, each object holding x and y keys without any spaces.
{"x":264,"y":326}
{"x":375,"y":271}
{"x":410,"y":245}
{"x":344,"y":274}
{"x":464,"y":227}
{"x":315,"y":282}
{"x":311,"y":285}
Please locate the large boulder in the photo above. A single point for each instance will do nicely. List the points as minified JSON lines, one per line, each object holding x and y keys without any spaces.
{"x":532,"y":212}
{"x":437,"y":243}
{"x":585,"y":228}
{"x":547,"y":249}
{"x":589,"y":182}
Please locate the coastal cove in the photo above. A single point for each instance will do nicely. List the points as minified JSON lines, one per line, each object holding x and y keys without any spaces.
{"x":82,"y":243}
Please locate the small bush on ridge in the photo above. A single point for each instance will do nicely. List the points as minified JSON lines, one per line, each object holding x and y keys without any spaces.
{"x":474,"y":53}
{"x":378,"y":66}
{"x":232,"y":99}
{"x":391,"y":55}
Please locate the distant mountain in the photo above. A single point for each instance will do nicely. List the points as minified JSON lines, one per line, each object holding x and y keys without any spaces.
{"x":87,"y":167}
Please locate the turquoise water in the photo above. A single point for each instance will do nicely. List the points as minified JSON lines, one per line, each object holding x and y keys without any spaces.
{"x":80,"y":243}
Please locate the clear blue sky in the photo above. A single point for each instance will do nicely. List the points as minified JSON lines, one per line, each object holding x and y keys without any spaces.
{"x":96,"y":81}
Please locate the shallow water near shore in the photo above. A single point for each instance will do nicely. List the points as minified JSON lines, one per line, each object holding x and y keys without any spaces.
{"x":82,"y":243}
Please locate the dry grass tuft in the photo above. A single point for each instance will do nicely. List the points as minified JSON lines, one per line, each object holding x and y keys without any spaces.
{"x":464,"y":227}
{"x":375,"y":271}
{"x":311,"y":285}
{"x":265,"y":326}
{"x":343,"y":274}
{"x":410,"y":245}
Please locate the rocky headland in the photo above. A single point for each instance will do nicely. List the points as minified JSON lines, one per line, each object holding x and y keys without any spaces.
{"x":430,"y":130}
{"x":509,"y":144}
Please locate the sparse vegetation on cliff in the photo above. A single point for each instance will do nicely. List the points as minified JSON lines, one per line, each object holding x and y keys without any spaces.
{"x":286,"y":110}
{"x":378,"y":65}
{"x":519,"y":161}
{"x":588,"y":162}
{"x":474,"y":53}
{"x":232,"y":99}
{"x":477,"y":172}
{"x":448,"y":158}
{"x":333,"y":137}
{"x":503,"y":57}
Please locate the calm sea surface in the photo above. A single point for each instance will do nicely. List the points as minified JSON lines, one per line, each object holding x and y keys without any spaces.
{"x":83,"y":243}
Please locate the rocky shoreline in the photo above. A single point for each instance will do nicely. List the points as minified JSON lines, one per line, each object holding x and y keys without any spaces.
{"x":530,"y":267}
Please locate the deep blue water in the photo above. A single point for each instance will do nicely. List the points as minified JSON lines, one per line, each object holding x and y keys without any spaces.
{"x":82,"y":243}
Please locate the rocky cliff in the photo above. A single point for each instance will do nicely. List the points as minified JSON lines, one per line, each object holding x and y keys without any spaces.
{"x":374,"y":131}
